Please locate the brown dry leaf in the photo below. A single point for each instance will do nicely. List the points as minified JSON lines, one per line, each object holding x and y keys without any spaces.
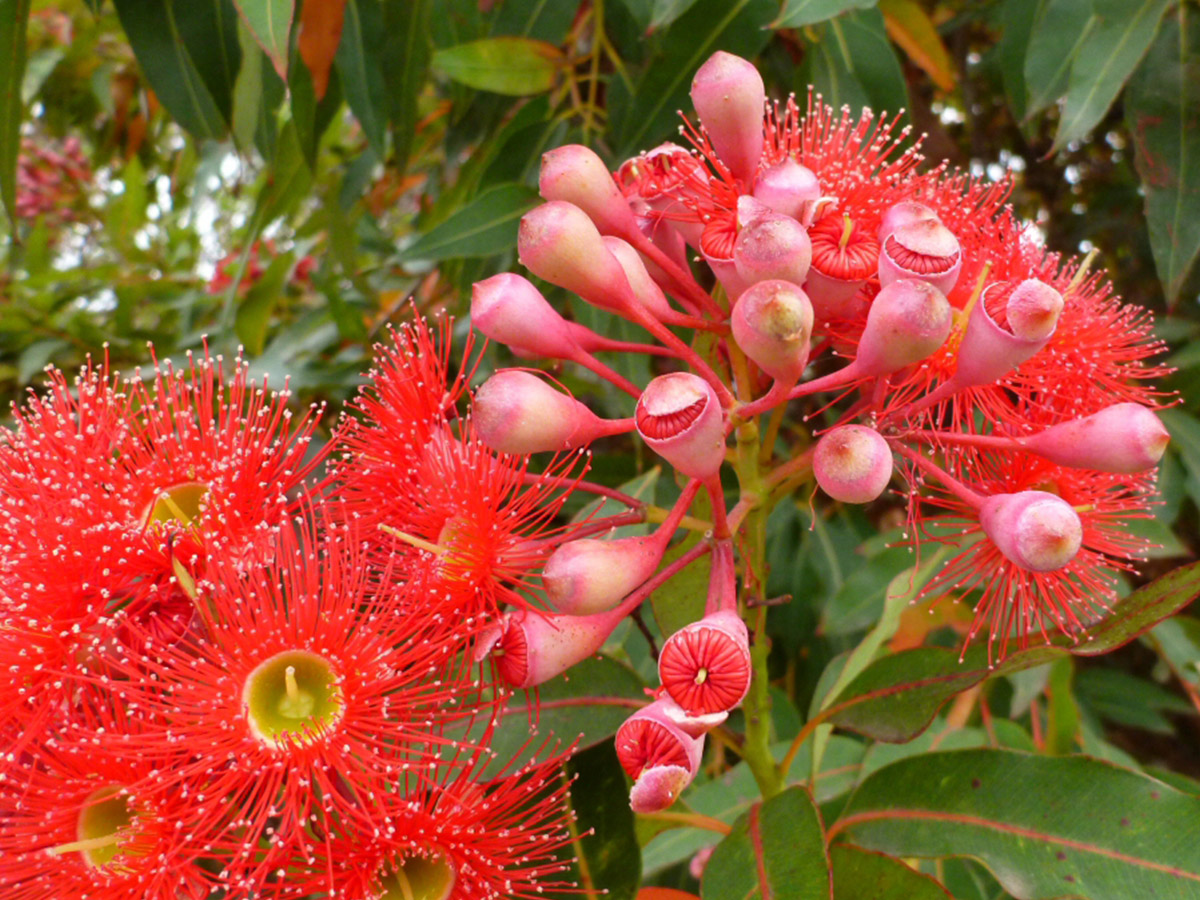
{"x":910,"y":26}
{"x":320,"y":33}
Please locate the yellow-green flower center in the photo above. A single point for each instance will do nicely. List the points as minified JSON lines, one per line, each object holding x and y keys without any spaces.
{"x":180,"y":505}
{"x":103,"y":818}
{"x":420,"y":877}
{"x":291,"y":697}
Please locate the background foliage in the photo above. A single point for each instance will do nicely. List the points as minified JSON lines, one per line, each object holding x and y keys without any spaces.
{"x":285,"y":176}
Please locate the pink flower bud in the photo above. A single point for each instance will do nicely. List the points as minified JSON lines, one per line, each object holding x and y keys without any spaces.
{"x":559,"y":243}
{"x":907,"y":322}
{"x":843,"y":258}
{"x":517,"y":412}
{"x":590,"y":576}
{"x":729,"y":96}
{"x":648,"y":293}
{"x":575,"y":173}
{"x":660,"y":232}
{"x":926,"y":250}
{"x":1036,"y":530}
{"x":651,"y":738}
{"x":904,"y":213}
{"x":530,"y":648}
{"x":658,"y":788}
{"x":508,"y":309}
{"x":705,"y":666}
{"x":770,"y":247}
{"x":989,"y":351}
{"x":772,"y":322}
{"x":788,"y":188}
{"x":852,"y":463}
{"x":1125,"y":438}
{"x":679,"y":417}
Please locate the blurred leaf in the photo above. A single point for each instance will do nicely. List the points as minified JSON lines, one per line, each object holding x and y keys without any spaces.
{"x":1062,"y":712}
{"x":1062,"y":27}
{"x":664,"y":12}
{"x":513,"y":66}
{"x":611,"y":859}
{"x":777,"y":849}
{"x":14,"y":18}
{"x":736,"y":26}
{"x":808,"y":12}
{"x":1178,"y":640}
{"x":254,"y":310}
{"x":486,"y":225}
{"x":311,"y":114}
{"x":1115,"y":45}
{"x":1125,"y":699}
{"x":1017,"y":20}
{"x":1076,"y":825}
{"x":317,"y":39}
{"x":1162,"y":110}
{"x":859,"y":874}
{"x":1185,"y":440}
{"x":859,"y":602}
{"x":853,"y":64}
{"x":288,"y":182}
{"x":681,"y":600}
{"x":256,"y":96}
{"x":270,"y":21}
{"x":405,"y":65}
{"x":910,"y":27}
{"x":897,"y":696}
{"x":190,"y":55}
{"x":360,"y":65}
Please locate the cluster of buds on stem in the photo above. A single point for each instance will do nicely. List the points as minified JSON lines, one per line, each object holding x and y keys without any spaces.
{"x":1003,"y":392}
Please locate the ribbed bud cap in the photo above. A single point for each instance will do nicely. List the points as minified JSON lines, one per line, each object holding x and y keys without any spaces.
{"x":575,"y":173}
{"x":705,"y":666}
{"x":926,"y":250}
{"x":679,"y":417}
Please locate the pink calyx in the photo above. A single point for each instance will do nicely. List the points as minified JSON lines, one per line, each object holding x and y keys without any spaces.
{"x":903,"y":213}
{"x":852,"y":463}
{"x":772,"y":322}
{"x":907,"y":322}
{"x":729,"y":97}
{"x":509,"y":309}
{"x":575,"y":173}
{"x":679,"y":417}
{"x":844,"y":257}
{"x":1124,"y":438}
{"x":1036,"y":530}
{"x":788,"y":188}
{"x":659,"y":755}
{"x":772,"y":247}
{"x":990,"y":351}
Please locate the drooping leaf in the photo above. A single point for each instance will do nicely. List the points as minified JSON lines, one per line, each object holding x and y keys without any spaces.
{"x":1075,"y":827}
{"x":513,"y":66}
{"x":859,"y":873}
{"x":797,"y":13}
{"x":853,"y":64}
{"x":270,"y":21}
{"x":664,"y":12}
{"x":777,"y":849}
{"x":486,"y":225}
{"x":607,"y":844}
{"x":254,"y":310}
{"x":1017,"y":19}
{"x":318,"y":38}
{"x":910,"y":26}
{"x":256,"y":97}
{"x":1061,"y":29}
{"x":360,"y":65}
{"x":406,"y":54}
{"x":1115,"y":45}
{"x":1162,"y":112}
{"x":14,"y":17}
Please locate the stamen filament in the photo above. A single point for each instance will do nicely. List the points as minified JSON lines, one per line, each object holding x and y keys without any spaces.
{"x":413,"y":540}
{"x":95,"y":843}
{"x":847,"y":230}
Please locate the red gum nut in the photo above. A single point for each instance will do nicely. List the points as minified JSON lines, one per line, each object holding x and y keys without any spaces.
{"x":647,"y":292}
{"x":559,"y":243}
{"x":516,"y":412}
{"x":853,"y":464}
{"x":772,"y":246}
{"x":772,"y":322}
{"x":907,"y":322}
{"x":1124,"y":438}
{"x":577,"y":175}
{"x":590,"y":576}
{"x":658,"y":788}
{"x":1038,"y":531}
{"x":705,"y":666}
{"x":787,"y":187}
{"x":926,"y":250}
{"x":531,"y":648}
{"x":838,"y":272}
{"x":508,"y":309}
{"x":679,"y":418}
{"x":988,"y":351}
{"x":903,"y":213}
{"x":729,"y":97}
{"x":1033,"y":310}
{"x":653,"y":737}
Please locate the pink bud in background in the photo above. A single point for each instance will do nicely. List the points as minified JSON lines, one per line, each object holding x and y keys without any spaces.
{"x":647,"y":292}
{"x":903,"y":213}
{"x":989,"y":351}
{"x":575,"y":173}
{"x":729,"y":97}
{"x":772,"y":322}
{"x":1038,"y":531}
{"x":529,"y":648}
{"x":1125,"y":438}
{"x":509,"y":309}
{"x":926,"y":250}
{"x":788,"y":188}
{"x":772,"y":246}
{"x":517,"y":412}
{"x":590,"y":576}
{"x":662,"y":233}
{"x":705,"y":666}
{"x":907,"y":322}
{"x":1033,"y":309}
{"x":658,"y":755}
{"x":680,"y":418}
{"x":852,"y":463}
{"x":559,"y":243}
{"x":843,"y":258}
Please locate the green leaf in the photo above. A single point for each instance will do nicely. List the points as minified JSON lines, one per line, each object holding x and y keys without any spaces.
{"x":1061,"y":29}
{"x":513,"y":66}
{"x":270,"y":21}
{"x":485,"y":226}
{"x":664,"y":12}
{"x":257,"y":94}
{"x":1130,"y":701}
{"x":189,"y":53}
{"x":1162,"y":111}
{"x":777,"y":849}
{"x":405,"y":65}
{"x":360,"y":65}
{"x":1017,"y":19}
{"x":808,"y":12}
{"x":14,"y":17}
{"x":736,"y":26}
{"x":897,"y":696}
{"x":858,"y":874}
{"x":1075,"y":827}
{"x":254,"y":311}
{"x":604,"y":822}
{"x":1114,"y":47}
{"x":853,"y":64}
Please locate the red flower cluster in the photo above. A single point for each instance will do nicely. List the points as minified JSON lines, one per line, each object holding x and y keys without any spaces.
{"x":51,"y":181}
{"x":260,"y":256}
